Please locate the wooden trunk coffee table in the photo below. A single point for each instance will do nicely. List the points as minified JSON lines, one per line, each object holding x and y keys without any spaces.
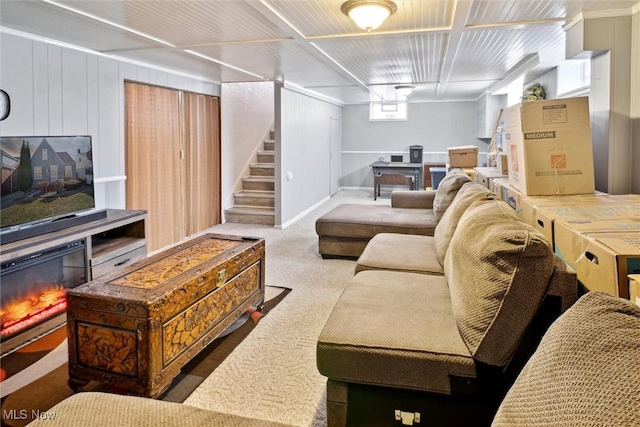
{"x":135,"y":329}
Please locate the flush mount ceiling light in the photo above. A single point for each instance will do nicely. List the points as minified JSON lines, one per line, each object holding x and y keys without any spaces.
{"x":368,"y":14}
{"x":405,"y":89}
{"x":405,"y":86}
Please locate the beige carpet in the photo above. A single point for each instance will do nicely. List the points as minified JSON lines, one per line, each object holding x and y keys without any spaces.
{"x":272,"y":374}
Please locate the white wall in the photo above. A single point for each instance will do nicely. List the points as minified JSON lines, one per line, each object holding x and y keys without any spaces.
{"x":303,"y":151}
{"x":247,"y":116}
{"x":434,"y":125}
{"x":61,"y":91}
{"x":613,"y":35}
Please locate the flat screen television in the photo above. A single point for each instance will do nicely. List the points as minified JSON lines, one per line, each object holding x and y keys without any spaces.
{"x":44,"y":179}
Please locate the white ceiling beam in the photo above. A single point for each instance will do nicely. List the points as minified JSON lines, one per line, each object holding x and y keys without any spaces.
{"x":236,"y":42}
{"x":108,"y":22}
{"x":410,"y":32}
{"x":270,"y":13}
{"x":525,"y":64}
{"x":515,"y":24}
{"x":460,"y":15}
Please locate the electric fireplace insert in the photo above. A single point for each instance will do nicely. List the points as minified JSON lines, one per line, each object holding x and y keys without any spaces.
{"x":33,"y":298}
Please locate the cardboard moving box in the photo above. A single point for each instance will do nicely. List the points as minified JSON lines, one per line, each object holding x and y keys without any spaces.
{"x":634,"y":288}
{"x":530,"y":204}
{"x":602,"y":260}
{"x":496,"y":185}
{"x":464,"y":156}
{"x":544,"y":218}
{"x":631,"y":225}
{"x":482,"y":175}
{"x":499,"y":161}
{"x":549,"y":147}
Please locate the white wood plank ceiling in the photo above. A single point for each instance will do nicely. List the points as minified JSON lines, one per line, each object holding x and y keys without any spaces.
{"x":449,"y":49}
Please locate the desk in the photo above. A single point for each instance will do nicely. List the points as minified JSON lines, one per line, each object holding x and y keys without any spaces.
{"x":411,"y":169}
{"x":384,"y":168}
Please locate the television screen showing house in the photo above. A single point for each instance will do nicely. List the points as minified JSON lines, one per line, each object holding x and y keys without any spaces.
{"x":44,"y":178}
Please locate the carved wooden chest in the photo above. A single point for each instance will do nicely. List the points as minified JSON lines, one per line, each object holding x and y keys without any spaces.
{"x":136,"y":328}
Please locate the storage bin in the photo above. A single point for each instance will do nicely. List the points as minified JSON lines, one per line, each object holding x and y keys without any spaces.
{"x":436,"y":176}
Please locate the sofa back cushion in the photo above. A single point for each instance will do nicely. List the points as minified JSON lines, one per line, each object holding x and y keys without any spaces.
{"x":447,"y":190}
{"x":468,"y":193}
{"x":498,"y":269}
{"x":584,"y":372}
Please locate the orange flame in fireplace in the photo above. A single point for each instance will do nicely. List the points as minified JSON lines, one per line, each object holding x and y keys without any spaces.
{"x":39,"y":305}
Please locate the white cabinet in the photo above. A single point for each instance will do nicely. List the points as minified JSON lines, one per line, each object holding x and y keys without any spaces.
{"x":487,"y":107}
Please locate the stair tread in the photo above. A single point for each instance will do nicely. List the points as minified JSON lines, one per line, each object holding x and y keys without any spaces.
{"x":255,"y":193}
{"x":267,"y":152}
{"x":262,"y":165}
{"x":251,"y":210}
{"x":259,"y":178}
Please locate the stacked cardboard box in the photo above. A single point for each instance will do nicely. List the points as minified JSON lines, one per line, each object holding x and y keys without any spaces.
{"x":606,"y":206}
{"x":634,"y":288}
{"x":483,"y":175}
{"x":464,"y":156}
{"x":601,"y":254}
{"x":549,"y":147}
{"x":597,"y":234}
{"x":496,"y":185}
{"x":551,"y":187}
{"x":508,"y":193}
{"x":499,"y":161}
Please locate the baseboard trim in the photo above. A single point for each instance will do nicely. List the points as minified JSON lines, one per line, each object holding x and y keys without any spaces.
{"x":302,"y":214}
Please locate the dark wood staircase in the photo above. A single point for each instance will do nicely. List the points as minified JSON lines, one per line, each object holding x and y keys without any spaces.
{"x":255,"y":204}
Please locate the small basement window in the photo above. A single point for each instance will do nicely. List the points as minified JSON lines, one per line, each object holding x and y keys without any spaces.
{"x":380,"y":111}
{"x":574,"y":78}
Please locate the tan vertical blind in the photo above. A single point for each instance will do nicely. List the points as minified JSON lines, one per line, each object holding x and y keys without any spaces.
{"x":202,"y":148}
{"x":172,"y":144}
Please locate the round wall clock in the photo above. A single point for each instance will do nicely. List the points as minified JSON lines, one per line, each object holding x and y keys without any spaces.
{"x":5,"y":105}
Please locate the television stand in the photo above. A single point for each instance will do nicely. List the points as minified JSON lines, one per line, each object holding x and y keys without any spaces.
{"x":116,"y":233}
{"x":51,"y":226}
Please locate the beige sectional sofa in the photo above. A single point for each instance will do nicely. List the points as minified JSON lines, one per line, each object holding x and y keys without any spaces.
{"x":345,"y":231}
{"x":88,"y":409}
{"x":441,"y":325}
{"x":585,"y":371}
{"x":583,"y":374}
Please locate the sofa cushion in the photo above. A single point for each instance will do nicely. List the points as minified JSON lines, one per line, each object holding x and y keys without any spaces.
{"x":365,"y":221}
{"x":447,"y":190}
{"x":498,"y":269}
{"x":106,"y":409}
{"x":584,"y":372}
{"x":394,"y":329}
{"x":400,"y":252}
{"x":468,"y":193}
{"x":412,"y":199}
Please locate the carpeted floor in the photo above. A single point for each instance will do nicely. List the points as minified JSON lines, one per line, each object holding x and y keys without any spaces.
{"x":273,"y":375}
{"x":266,"y":372}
